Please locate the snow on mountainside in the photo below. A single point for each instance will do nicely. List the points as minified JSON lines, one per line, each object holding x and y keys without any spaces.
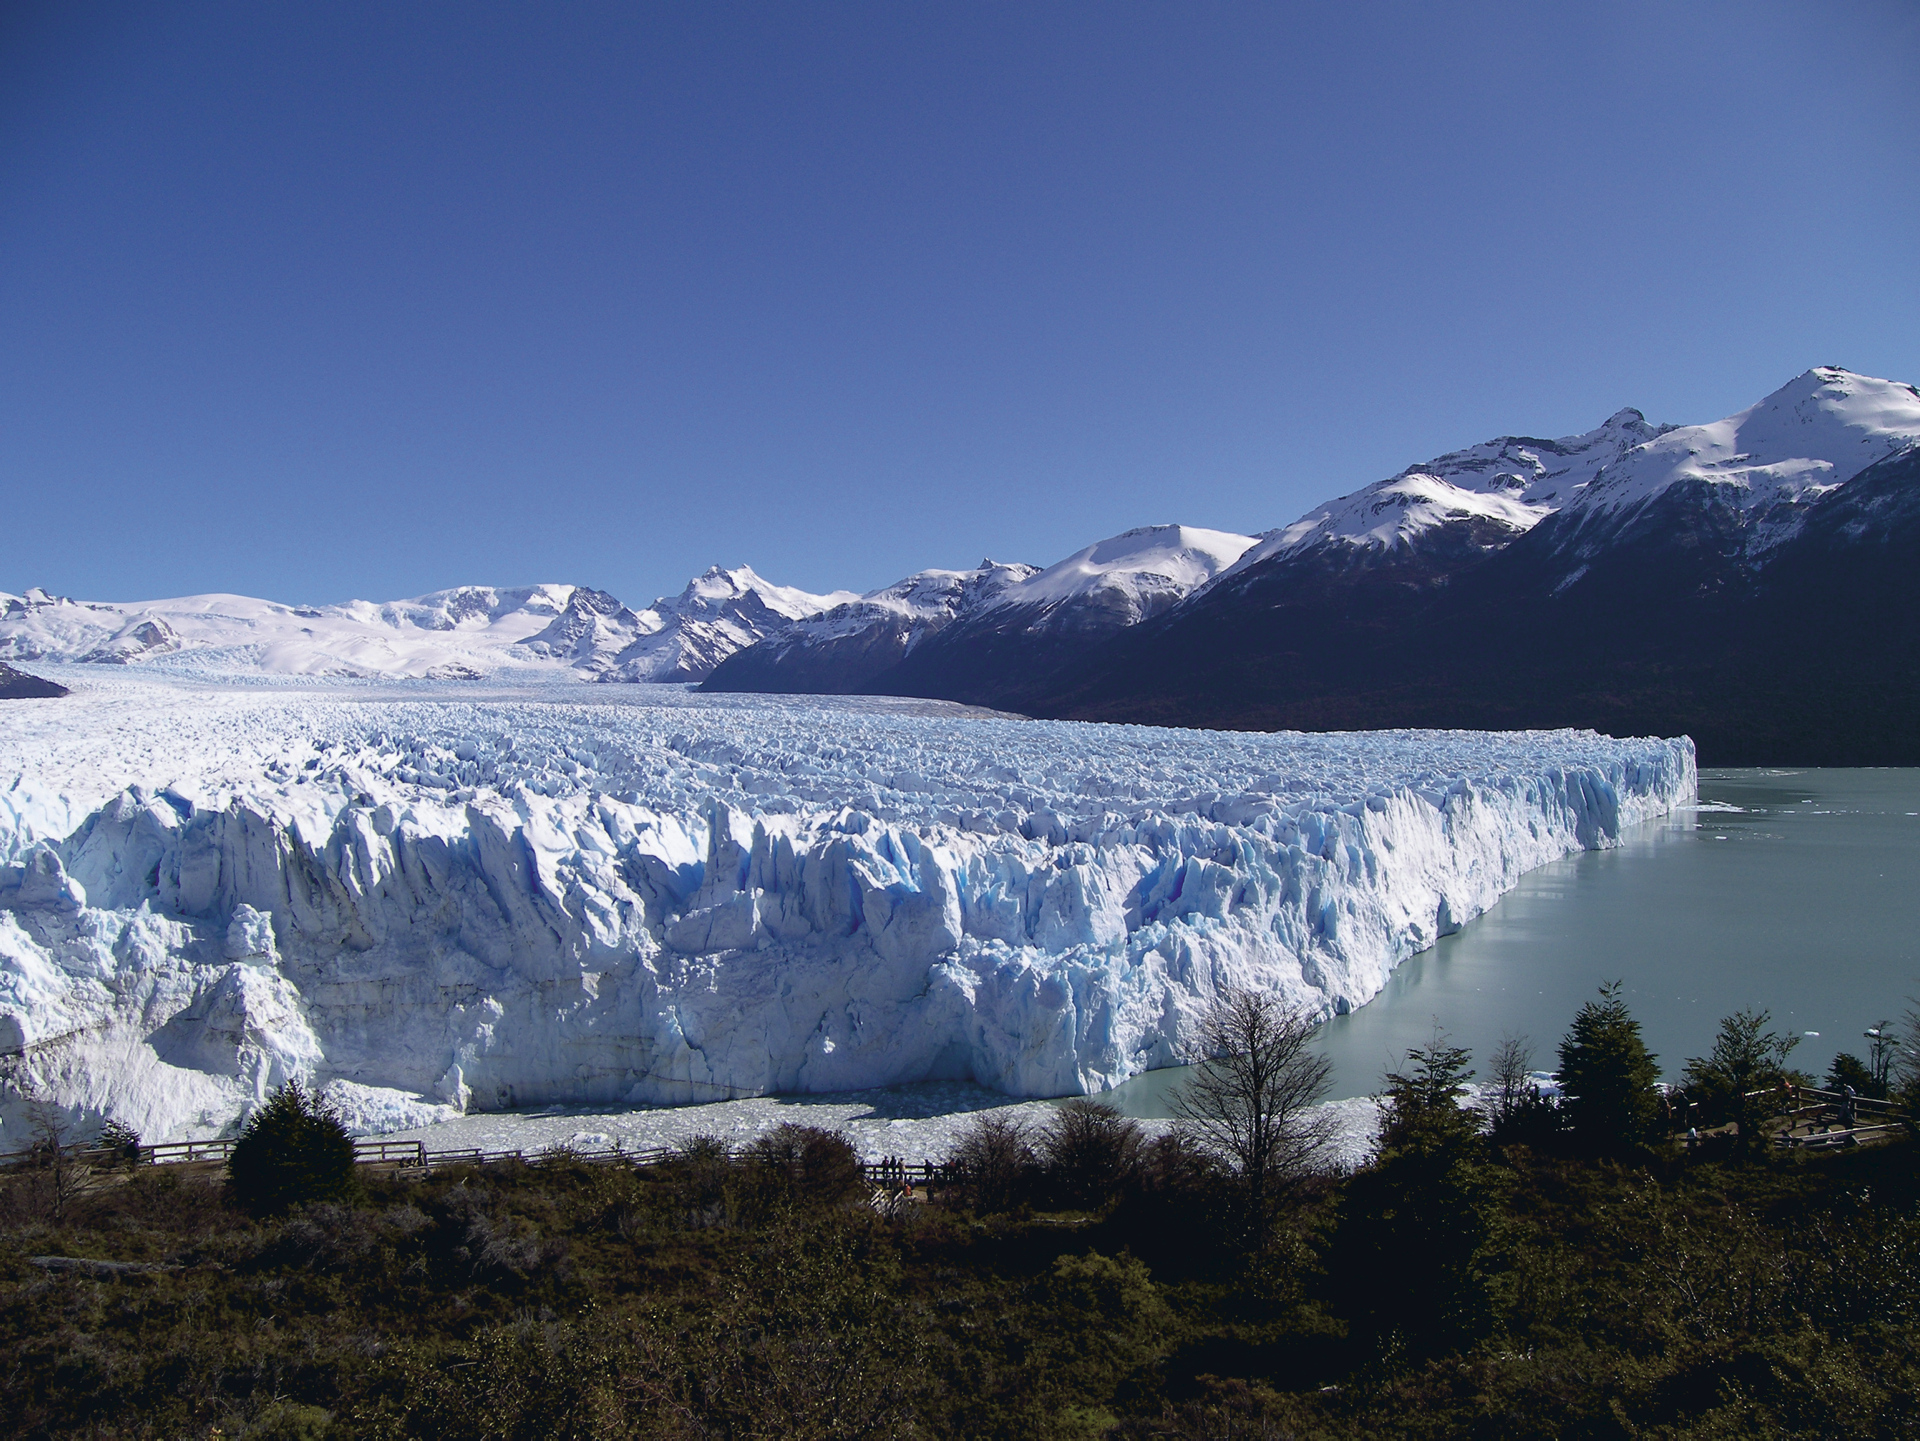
{"x":452,"y":634}
{"x":845,"y":649}
{"x":425,"y":899}
{"x":1810,"y":436}
{"x":876,"y":644}
{"x":1817,"y":431}
{"x":723,"y":611}
{"x":925,"y":600}
{"x":1128,"y":577}
{"x":1372,"y":553}
{"x":1508,"y":485}
{"x":1718,"y":580}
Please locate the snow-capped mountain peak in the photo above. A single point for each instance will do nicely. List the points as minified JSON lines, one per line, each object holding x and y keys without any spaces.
{"x":1140,"y":571}
{"x":450,"y":632}
{"x":1817,"y":431}
{"x":684,"y":637}
{"x":927,"y":596}
{"x":1509,"y":484}
{"x":725,"y":592}
{"x":465,"y":632}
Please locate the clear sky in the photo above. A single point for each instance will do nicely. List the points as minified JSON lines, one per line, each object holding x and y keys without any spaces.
{"x":317,"y":301}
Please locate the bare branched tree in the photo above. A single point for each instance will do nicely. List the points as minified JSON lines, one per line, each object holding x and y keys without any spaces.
{"x":995,"y":1156}
{"x":1091,"y":1152}
{"x":1511,"y":1084}
{"x":1251,"y":1098}
{"x":61,"y":1177}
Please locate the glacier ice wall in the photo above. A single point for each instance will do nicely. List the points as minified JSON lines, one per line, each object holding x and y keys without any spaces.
{"x":426,"y":898}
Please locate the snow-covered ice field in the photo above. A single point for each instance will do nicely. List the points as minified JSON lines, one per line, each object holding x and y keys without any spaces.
{"x":436,"y":898}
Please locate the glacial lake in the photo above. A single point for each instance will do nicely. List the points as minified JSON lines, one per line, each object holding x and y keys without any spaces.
{"x":1796,"y":891}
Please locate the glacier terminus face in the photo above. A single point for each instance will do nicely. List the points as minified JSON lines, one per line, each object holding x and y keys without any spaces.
{"x":428,"y":897}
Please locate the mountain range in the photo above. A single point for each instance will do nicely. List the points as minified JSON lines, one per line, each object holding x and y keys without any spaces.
{"x":1751,"y":582}
{"x":460,"y":634}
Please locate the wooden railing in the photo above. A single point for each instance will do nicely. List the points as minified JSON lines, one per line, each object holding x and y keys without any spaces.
{"x":1871,"y":1119}
{"x":413,"y":1155}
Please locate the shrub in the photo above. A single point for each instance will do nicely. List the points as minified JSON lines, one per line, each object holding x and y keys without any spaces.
{"x":820,"y":1165}
{"x":292,"y":1150}
{"x":1091,"y":1153}
{"x":994,"y":1155}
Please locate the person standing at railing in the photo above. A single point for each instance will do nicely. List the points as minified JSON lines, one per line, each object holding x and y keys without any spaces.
{"x":1849,"y":1109}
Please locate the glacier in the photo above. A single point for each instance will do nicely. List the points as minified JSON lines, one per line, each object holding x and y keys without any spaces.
{"x":428,"y":898}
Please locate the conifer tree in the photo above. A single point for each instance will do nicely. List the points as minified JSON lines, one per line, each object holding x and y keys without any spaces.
{"x":292,"y":1150}
{"x":1609,"y":1076}
{"x":1412,"y":1241}
{"x":1739,"y":1079}
{"x":1422,"y":1101}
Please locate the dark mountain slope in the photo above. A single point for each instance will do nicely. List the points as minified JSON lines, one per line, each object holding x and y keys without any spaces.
{"x":18,"y":685}
{"x":1672,"y":617}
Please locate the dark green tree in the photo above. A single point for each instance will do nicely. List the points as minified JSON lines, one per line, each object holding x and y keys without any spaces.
{"x":1608,"y":1077}
{"x":1739,"y":1080}
{"x":819,"y":1165}
{"x":1849,"y":1070}
{"x":1410,"y":1248}
{"x":292,"y":1150}
{"x":994,"y":1157}
{"x":1421,"y":1102}
{"x":121,"y":1140}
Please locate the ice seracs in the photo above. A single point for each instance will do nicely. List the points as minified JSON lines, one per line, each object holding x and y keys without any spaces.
{"x":423,"y":901}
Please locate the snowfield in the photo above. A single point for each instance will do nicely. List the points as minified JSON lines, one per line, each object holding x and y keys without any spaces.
{"x":433,"y":898}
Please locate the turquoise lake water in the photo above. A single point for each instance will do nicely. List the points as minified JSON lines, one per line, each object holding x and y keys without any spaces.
{"x":1797,"y":891}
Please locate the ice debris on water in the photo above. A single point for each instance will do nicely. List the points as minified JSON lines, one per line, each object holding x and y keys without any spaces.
{"x":426,"y":899}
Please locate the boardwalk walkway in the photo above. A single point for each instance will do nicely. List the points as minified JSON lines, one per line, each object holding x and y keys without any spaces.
{"x":412,"y":1157}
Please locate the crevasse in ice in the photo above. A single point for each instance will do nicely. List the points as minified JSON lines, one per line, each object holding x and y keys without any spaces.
{"x":425,"y":898}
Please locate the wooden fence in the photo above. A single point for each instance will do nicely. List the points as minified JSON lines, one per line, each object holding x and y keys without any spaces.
{"x":1832,"y":1118}
{"x":413,"y":1156}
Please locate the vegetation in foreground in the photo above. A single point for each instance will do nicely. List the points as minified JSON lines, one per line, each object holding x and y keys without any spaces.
{"x":1564,"y":1274}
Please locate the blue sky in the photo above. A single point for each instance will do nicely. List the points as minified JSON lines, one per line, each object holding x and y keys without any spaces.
{"x":323,"y":301}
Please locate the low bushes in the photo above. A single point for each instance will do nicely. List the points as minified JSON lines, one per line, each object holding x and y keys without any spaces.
{"x":716,"y":1295}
